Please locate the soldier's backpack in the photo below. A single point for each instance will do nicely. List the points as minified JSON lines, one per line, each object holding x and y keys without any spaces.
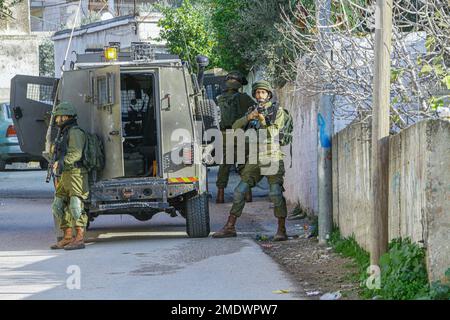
{"x":93,"y":158}
{"x":93,"y":153}
{"x":285,"y":135}
{"x":287,"y":129}
{"x":229,"y":109}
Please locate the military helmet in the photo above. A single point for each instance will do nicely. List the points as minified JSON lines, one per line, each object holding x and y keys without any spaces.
{"x":65,"y":109}
{"x":262,"y":84}
{"x":238,"y":76}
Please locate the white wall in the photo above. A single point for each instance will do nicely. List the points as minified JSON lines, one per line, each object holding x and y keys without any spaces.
{"x":301,"y":179}
{"x":18,"y":49}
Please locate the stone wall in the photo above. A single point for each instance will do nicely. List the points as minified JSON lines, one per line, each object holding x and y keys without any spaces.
{"x":419,"y":188}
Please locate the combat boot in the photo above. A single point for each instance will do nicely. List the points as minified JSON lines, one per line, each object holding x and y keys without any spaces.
{"x":228,"y":231}
{"x":281,"y":232}
{"x":78,"y":241}
{"x":248,"y":196}
{"x":220,"y":195}
{"x":64,"y":241}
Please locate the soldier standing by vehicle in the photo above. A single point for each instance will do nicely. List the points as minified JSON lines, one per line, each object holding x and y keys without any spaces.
{"x":233,"y":105}
{"x":272,"y":118}
{"x":72,"y":186}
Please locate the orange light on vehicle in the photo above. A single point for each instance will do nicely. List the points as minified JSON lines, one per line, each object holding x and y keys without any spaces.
{"x":111,"y":53}
{"x":11,"y":131}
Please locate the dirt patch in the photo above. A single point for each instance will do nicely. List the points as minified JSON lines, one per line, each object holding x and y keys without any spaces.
{"x":316,"y":269}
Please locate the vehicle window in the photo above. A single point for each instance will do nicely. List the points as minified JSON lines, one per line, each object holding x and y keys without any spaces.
{"x":102,"y":91}
{"x":40,"y":92}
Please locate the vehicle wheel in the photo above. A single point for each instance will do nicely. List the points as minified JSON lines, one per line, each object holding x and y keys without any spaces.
{"x":2,"y":165}
{"x":142,"y":216}
{"x":197,"y":216}
{"x":43,"y":164}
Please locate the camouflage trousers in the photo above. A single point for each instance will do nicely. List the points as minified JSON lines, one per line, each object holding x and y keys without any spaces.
{"x":223,"y":174}
{"x":251,"y":174}
{"x":68,"y":207}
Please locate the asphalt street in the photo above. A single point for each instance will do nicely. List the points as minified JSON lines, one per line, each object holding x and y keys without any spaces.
{"x":129,"y":259}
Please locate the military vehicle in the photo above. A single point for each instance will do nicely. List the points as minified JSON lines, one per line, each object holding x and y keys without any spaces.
{"x":133,"y":101}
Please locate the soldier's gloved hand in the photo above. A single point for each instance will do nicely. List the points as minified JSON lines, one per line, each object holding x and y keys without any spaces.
{"x":55,"y":166}
{"x":262,"y":119}
{"x":253,"y":115}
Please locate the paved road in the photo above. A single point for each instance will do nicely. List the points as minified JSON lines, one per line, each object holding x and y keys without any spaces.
{"x":128,"y":259}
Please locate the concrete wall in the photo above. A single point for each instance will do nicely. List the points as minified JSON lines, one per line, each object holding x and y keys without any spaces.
{"x":419,"y":188}
{"x":18,"y":49}
{"x":301,"y":180}
{"x":352,"y":183}
{"x":419,"y":203}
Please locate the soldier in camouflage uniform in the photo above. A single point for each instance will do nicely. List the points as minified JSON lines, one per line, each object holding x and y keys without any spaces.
{"x":72,"y":187}
{"x":233,"y":105}
{"x":272,"y":118}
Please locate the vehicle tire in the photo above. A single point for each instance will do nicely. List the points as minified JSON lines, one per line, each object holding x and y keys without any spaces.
{"x":2,"y":165}
{"x":43,"y":164}
{"x":197,"y":216}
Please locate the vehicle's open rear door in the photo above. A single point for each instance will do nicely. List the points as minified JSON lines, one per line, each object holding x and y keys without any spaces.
{"x":76,"y":89}
{"x":31,"y":104}
{"x":107,"y":119}
{"x":96,"y":95}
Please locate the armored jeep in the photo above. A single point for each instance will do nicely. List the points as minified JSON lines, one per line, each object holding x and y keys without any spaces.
{"x":134,"y":103}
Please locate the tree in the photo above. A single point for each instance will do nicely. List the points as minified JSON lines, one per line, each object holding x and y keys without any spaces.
{"x":235,"y":34}
{"x":248,"y":35}
{"x":5,"y":8}
{"x":188,"y":32}
{"x":340,"y":62}
{"x":47,"y":58}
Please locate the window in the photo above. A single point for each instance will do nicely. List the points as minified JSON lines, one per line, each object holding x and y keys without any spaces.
{"x":102,"y":89}
{"x":105,"y":90}
{"x":41,"y":93}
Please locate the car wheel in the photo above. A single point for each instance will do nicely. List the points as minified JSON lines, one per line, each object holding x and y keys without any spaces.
{"x":197,"y":216}
{"x":2,"y":165}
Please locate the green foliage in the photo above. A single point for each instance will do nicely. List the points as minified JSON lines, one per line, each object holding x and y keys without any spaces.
{"x":440,"y":290}
{"x":348,"y":247}
{"x":436,"y":102}
{"x":188,"y":31}
{"x":403,"y":271}
{"x":234,"y":34}
{"x":224,"y":16}
{"x":47,"y":59}
{"x":5,"y":7}
{"x":446,"y":81}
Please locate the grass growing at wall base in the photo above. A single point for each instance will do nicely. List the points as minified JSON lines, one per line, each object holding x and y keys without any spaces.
{"x":403,"y":271}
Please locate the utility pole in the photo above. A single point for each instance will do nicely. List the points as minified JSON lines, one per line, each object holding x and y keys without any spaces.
{"x":380,"y":130}
{"x":324,"y":134}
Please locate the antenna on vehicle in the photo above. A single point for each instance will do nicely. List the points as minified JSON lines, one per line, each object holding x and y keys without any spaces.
{"x":52,"y":117}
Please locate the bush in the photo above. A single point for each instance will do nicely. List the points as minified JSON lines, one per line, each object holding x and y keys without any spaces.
{"x":403,"y":270}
